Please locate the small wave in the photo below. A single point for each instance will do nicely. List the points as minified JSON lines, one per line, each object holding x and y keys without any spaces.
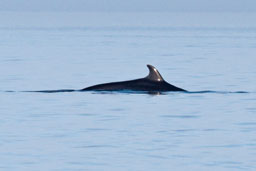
{"x":51,"y":91}
{"x":217,"y":92}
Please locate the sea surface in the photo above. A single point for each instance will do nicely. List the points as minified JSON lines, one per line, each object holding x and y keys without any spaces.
{"x":213,"y":130}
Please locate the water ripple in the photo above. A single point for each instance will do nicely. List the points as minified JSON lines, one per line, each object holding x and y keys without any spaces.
{"x":247,"y":123}
{"x":180,"y":116}
{"x":96,"y":146}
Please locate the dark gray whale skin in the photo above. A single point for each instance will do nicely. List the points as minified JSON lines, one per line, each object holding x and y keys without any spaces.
{"x":154,"y":82}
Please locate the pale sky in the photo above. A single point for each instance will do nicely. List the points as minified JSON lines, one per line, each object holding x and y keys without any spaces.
{"x":130,"y":5}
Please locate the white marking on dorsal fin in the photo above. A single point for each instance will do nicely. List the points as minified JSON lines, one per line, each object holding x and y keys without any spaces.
{"x":154,"y":75}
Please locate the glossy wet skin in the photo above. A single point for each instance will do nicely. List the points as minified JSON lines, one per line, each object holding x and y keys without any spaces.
{"x":153,"y":82}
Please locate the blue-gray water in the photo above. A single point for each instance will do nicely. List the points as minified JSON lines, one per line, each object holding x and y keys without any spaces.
{"x":122,"y":131}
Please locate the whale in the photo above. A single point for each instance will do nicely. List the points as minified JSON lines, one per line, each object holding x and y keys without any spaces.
{"x":153,"y":82}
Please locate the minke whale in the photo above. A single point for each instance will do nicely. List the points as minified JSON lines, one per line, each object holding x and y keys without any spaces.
{"x":154,"y":82}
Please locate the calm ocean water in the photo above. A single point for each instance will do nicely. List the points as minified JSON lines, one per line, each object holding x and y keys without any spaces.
{"x":122,"y":131}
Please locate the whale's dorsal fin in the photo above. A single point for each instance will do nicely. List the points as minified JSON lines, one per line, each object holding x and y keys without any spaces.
{"x":154,"y":75}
